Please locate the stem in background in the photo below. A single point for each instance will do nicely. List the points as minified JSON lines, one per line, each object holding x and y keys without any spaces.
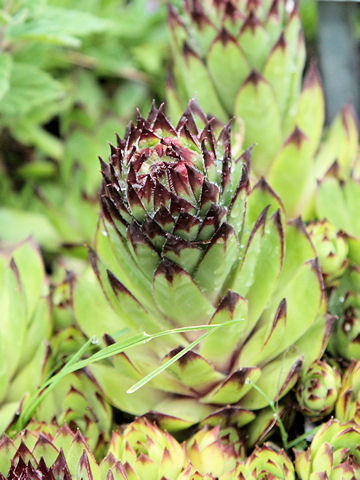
{"x":283,"y":432}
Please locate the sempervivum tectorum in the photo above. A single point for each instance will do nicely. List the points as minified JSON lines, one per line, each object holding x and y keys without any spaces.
{"x":47,"y":452}
{"x":345,"y":304}
{"x":266,"y":462}
{"x":348,"y":404}
{"x":334,"y":453}
{"x":185,"y":241}
{"x":331,"y":247}
{"x":318,"y":390}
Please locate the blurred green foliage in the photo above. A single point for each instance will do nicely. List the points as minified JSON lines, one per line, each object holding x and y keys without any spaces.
{"x":71,"y":75}
{"x":309,"y":17}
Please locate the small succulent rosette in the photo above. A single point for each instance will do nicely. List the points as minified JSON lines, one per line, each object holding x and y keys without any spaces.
{"x":348,"y":403}
{"x":215,"y":451}
{"x":345,"y":304}
{"x":47,"y":452}
{"x":338,"y":200}
{"x":331,"y":247}
{"x":146,"y":451}
{"x":267,"y":461}
{"x":318,"y":389}
{"x":334,"y":453}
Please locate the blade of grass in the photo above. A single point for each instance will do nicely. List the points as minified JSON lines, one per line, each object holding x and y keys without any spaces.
{"x":272,"y":405}
{"x":74,"y":364}
{"x":172,"y":360}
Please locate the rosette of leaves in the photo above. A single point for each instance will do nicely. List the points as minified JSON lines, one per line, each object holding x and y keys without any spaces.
{"x":266,"y":462}
{"x":334,"y":453}
{"x":331,"y":247}
{"x":25,"y":325}
{"x":345,"y":303}
{"x":185,"y":242}
{"x":246,"y":59}
{"x":337,"y":199}
{"x":148,"y":452}
{"x":318,"y":390}
{"x":216,"y":451}
{"x":47,"y":452}
{"x":348,"y":403}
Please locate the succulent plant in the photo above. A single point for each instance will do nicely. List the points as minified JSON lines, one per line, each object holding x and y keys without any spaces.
{"x":147,"y":452}
{"x":266,"y":462}
{"x":331,"y":247}
{"x":337,"y":199}
{"x":25,"y":326}
{"x":78,"y":402}
{"x":238,"y":57}
{"x":185,"y":241}
{"x":345,"y":303}
{"x":47,"y":452}
{"x":246,"y":59}
{"x":318,"y":390}
{"x":348,"y":403}
{"x":334,"y":453}
{"x":216,"y":451}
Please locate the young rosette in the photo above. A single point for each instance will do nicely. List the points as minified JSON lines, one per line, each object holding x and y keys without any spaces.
{"x":184,"y":241}
{"x":78,"y":402}
{"x":265,"y":462}
{"x":318,"y":390}
{"x":331,"y":247}
{"x":334,"y":453}
{"x":47,"y":452}
{"x":148,"y":452}
{"x":217,"y":452}
{"x":348,"y":403}
{"x":25,"y":326}
{"x":345,"y":304}
{"x":338,"y":200}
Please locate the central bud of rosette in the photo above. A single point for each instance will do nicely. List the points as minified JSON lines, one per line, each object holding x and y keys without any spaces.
{"x":170,"y":191}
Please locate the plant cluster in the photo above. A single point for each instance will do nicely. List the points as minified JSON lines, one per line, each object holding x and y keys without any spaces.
{"x":191,"y":311}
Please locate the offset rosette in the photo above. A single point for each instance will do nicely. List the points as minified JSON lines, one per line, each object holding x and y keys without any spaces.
{"x":348,"y":403}
{"x":318,"y":390}
{"x":147,"y":452}
{"x":216,"y":452}
{"x":266,"y":462}
{"x":345,"y":303}
{"x":338,"y":200}
{"x":331,"y":247}
{"x":47,"y":452}
{"x":185,"y":241}
{"x":334,"y":453}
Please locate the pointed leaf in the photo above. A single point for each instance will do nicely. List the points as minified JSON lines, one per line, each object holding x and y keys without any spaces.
{"x":228,"y":67}
{"x":256,"y":104}
{"x":220,"y":348}
{"x":175,"y":287}
{"x":235,"y":387}
{"x":218,"y":261}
